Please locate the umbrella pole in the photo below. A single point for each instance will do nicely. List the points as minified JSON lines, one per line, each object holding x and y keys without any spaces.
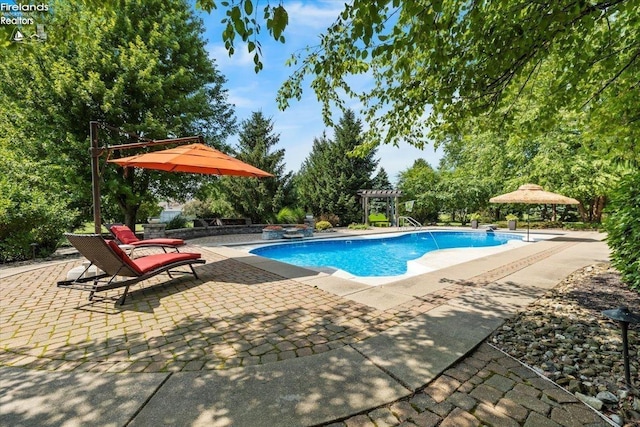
{"x":95,"y":175}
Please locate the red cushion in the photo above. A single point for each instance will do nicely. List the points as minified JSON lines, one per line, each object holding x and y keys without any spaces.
{"x":151,"y":262}
{"x":158,"y":242}
{"x":124,"y":234}
{"x":123,"y":256}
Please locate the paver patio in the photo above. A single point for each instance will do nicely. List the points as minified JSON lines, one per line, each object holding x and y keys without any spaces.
{"x":237,"y":315}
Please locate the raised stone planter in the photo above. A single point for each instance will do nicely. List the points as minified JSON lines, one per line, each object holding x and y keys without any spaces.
{"x":307,"y":232}
{"x":272,"y":234}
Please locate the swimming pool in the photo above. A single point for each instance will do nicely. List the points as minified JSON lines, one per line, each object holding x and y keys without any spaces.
{"x":378,"y":256}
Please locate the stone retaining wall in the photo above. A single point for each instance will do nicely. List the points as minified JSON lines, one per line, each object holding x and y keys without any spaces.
{"x":192,"y":233}
{"x":157,"y":230}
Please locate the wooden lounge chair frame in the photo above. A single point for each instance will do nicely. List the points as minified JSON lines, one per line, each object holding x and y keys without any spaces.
{"x":114,"y":263}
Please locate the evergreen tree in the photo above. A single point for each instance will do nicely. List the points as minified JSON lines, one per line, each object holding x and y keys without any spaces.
{"x":330,"y":178}
{"x":380,"y":182}
{"x":259,"y":199}
{"x":313,"y":181}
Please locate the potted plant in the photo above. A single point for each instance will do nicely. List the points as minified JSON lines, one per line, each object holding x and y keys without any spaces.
{"x":474,"y":217}
{"x":512,"y":220}
{"x":271,"y":232}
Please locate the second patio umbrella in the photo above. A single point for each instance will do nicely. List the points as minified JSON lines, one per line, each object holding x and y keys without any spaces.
{"x":533,"y":194}
{"x":193,"y":158}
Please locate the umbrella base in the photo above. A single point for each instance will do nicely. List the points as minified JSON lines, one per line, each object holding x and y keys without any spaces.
{"x":528,"y":239}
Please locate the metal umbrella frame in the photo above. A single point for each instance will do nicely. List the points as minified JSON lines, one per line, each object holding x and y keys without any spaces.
{"x":228,"y":166}
{"x":533,"y":194}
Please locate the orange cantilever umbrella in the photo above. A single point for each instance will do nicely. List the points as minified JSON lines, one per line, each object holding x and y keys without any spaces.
{"x":193,"y":158}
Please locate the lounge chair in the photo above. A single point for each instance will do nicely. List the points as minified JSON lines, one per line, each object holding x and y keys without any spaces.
{"x":125,"y":236}
{"x":118,"y":269}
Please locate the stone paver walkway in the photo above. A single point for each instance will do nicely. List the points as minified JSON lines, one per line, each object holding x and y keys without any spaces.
{"x":487,"y":388}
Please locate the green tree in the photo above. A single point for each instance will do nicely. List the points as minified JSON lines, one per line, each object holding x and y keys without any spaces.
{"x":623,"y":227}
{"x":260,"y":199}
{"x":33,"y":207}
{"x":380,"y":182}
{"x":436,"y":63}
{"x":329,"y":178}
{"x":313,"y":182}
{"x":562,"y":156}
{"x":142,"y":67}
{"x":420,"y":183}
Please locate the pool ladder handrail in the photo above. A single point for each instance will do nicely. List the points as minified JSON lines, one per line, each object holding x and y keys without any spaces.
{"x":403,"y":220}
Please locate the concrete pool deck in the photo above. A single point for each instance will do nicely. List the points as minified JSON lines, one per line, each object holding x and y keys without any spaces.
{"x":258,"y":343}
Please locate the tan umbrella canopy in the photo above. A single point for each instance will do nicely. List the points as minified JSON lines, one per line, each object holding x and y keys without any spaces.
{"x":533,"y":194}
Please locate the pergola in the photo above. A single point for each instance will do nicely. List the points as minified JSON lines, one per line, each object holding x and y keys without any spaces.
{"x":365,"y":195}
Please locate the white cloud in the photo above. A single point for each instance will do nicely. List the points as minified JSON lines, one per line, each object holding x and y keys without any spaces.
{"x":240,"y":59}
{"x":316,"y":16}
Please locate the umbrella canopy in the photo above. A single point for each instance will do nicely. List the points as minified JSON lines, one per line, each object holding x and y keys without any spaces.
{"x":193,"y":158}
{"x":533,"y":194}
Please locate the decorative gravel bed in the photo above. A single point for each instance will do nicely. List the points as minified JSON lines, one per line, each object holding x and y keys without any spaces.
{"x":565,"y":336}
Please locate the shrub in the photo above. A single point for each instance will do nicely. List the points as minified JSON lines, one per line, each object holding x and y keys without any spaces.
{"x":354,"y":226}
{"x":28,"y":216}
{"x":445,"y":218}
{"x":511,"y":217}
{"x":323,"y":225}
{"x":290,"y":216}
{"x":332,"y":219}
{"x":176,"y":222}
{"x":148,"y":210}
{"x":198,"y":209}
{"x":623,"y":228}
{"x":475,"y":216}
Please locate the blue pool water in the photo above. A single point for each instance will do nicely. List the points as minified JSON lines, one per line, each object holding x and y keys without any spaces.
{"x":375,"y":257}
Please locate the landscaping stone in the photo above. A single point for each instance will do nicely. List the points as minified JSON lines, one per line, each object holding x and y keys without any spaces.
{"x":565,"y":337}
{"x":591,"y":401}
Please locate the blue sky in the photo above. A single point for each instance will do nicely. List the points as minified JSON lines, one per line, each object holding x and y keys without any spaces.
{"x":302,"y":121}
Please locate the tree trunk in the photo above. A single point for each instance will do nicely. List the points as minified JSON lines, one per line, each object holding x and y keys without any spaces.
{"x":583,"y":213}
{"x":598,"y":207}
{"x":130,"y":213}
